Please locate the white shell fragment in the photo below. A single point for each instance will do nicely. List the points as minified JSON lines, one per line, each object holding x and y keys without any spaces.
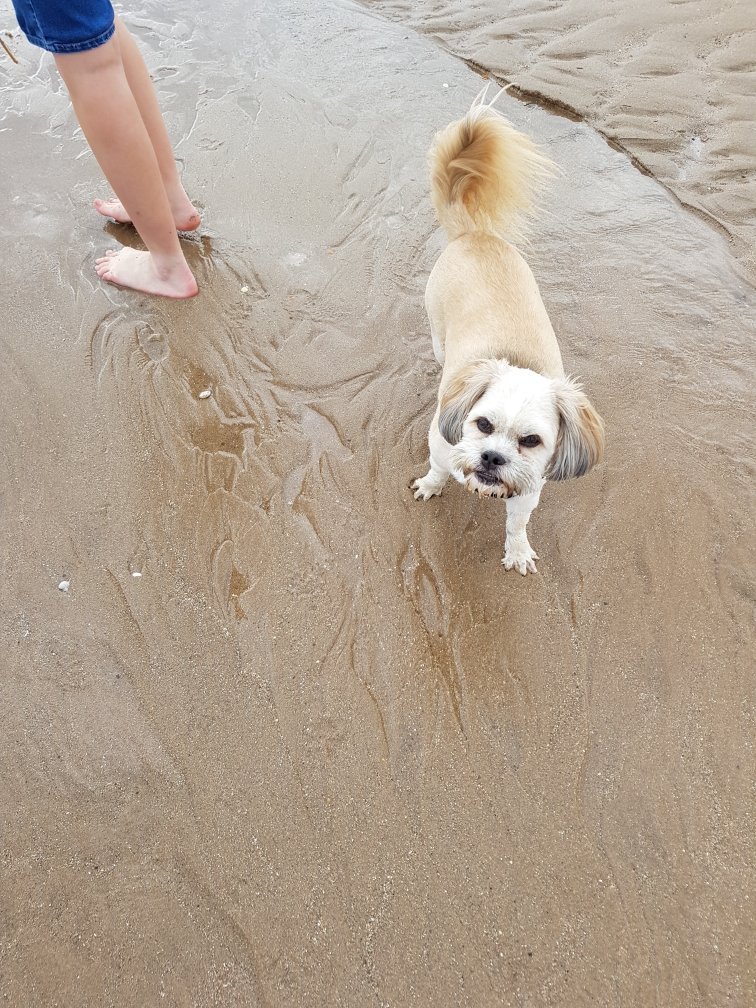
{"x":245,"y":290}
{"x":136,"y":573}
{"x":206,"y":393}
{"x":64,"y":586}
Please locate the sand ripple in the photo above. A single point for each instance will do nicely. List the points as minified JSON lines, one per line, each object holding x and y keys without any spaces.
{"x":292,"y":738}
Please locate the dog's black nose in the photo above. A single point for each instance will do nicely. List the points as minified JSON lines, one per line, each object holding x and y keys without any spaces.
{"x":491,"y":459}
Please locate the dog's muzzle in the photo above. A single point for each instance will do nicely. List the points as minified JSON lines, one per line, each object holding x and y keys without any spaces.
{"x":488,"y":483}
{"x":488,"y":476}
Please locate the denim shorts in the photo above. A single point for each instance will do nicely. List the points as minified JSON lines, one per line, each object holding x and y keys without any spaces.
{"x":61,"y":27}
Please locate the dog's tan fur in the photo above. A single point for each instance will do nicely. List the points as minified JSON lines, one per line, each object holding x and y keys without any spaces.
{"x":482,"y":299}
{"x":474,"y":318}
{"x":491,"y":331}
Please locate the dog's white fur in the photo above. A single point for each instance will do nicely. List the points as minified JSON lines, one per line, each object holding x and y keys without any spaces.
{"x":501,"y":362}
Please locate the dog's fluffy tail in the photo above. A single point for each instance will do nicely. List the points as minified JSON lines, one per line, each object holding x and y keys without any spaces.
{"x":485,"y":174}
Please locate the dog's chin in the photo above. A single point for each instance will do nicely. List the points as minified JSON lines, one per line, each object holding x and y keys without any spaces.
{"x":486,"y":484}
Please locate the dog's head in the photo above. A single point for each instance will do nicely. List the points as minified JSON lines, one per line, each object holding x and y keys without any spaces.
{"x":511,"y":428}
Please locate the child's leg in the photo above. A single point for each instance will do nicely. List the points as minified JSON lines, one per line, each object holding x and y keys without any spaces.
{"x":185,"y":216}
{"x":112,"y":123}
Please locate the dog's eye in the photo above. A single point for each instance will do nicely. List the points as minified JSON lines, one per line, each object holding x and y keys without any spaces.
{"x":484,"y":425}
{"x":530,"y":441}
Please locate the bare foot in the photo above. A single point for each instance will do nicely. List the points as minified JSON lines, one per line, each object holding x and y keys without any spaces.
{"x":184,"y":214}
{"x":141,"y":271}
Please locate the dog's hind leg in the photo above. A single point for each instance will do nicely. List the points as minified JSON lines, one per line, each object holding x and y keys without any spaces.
{"x":438,"y":348}
{"x":518,"y":552}
{"x":435,"y":318}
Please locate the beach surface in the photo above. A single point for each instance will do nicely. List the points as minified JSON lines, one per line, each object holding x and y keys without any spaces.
{"x":290,"y":738}
{"x":670,"y":82}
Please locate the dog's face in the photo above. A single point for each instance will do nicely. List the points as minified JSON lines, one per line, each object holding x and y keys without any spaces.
{"x":511,"y":428}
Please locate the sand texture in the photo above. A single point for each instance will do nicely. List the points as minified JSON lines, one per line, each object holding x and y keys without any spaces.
{"x":292,"y":739}
{"x":672,"y":82}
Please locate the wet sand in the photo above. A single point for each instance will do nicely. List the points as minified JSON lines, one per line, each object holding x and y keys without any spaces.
{"x":292,"y":738}
{"x":670,"y":83}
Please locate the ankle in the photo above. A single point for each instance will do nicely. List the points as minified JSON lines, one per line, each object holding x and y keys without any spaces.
{"x":177,"y":197}
{"x":170,"y":266}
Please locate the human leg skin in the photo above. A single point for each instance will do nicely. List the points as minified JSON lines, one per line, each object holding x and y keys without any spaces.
{"x":185,"y":216}
{"x":112,"y":123}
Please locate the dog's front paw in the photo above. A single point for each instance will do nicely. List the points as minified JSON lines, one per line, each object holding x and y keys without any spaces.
{"x":427,"y":487}
{"x":519,"y":554}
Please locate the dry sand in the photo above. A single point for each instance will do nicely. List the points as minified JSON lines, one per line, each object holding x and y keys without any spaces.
{"x":672,"y":82}
{"x":324,"y":751}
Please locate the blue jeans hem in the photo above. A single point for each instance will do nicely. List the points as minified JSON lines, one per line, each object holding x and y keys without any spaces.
{"x":73,"y":47}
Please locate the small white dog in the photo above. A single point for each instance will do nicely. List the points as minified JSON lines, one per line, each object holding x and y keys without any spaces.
{"x":508,"y":418}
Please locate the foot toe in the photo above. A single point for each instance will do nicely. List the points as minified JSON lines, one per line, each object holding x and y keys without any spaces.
{"x":109,"y":208}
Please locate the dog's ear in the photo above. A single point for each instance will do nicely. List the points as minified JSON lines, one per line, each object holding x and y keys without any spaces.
{"x":460,"y":395}
{"x":580,"y":441}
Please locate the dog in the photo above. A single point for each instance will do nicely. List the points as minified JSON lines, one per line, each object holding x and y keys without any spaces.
{"x":508,"y":418}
